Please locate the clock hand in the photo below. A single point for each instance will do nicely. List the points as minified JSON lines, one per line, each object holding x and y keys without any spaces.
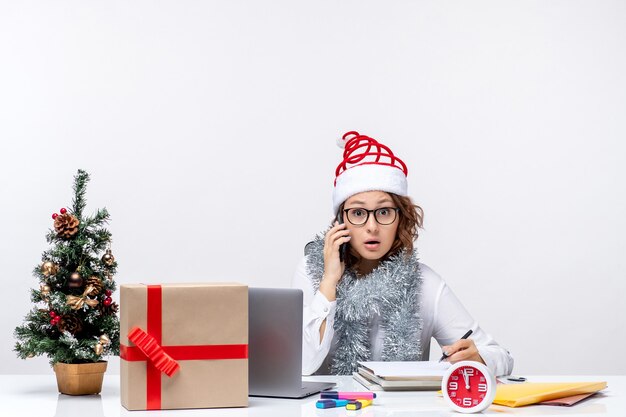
{"x":466,"y":378}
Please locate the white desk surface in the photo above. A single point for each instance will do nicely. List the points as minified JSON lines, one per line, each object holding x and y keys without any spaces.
{"x":36,"y":395}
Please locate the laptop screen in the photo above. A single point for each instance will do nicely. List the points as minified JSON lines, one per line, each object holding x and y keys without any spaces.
{"x":275,"y":340}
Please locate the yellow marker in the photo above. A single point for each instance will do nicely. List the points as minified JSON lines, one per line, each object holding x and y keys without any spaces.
{"x":358,"y":404}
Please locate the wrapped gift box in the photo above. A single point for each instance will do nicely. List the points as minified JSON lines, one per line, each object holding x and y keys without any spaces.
{"x":197,"y":333}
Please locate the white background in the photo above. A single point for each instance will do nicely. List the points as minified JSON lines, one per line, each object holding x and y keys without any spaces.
{"x":209,"y":131}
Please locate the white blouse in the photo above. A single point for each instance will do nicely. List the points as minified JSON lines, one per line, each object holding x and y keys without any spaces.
{"x":443,"y":315}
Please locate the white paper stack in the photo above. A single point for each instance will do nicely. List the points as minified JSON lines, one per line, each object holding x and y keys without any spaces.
{"x":401,"y":376}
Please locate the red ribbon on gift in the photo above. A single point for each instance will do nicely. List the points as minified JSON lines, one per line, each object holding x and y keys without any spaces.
{"x":164,"y":358}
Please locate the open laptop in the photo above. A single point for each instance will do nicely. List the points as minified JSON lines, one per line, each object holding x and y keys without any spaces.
{"x":275,"y":345}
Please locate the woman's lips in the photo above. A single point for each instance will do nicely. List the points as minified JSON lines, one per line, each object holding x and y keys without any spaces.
{"x":372,"y":245}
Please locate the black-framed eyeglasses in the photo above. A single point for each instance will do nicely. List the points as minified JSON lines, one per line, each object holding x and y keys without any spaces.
{"x":359,"y":216}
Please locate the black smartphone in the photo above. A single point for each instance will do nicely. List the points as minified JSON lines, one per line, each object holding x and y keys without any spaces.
{"x":343,"y":248}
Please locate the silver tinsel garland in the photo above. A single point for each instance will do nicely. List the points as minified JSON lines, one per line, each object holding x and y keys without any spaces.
{"x":392,"y":291}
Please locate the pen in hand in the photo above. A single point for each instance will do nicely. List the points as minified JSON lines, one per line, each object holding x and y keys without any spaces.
{"x":465,"y":336}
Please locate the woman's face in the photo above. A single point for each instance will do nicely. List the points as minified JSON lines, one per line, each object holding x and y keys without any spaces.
{"x":371,"y":240}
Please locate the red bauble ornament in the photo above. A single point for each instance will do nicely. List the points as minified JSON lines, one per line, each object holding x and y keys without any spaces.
{"x":63,"y":211}
{"x":54,"y":216}
{"x":52,"y":322}
{"x":52,"y":314}
{"x":57,"y":319}
{"x":107,"y":301}
{"x":108,"y":293}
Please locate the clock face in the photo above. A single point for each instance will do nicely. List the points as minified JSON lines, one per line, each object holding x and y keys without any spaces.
{"x":469,"y":387}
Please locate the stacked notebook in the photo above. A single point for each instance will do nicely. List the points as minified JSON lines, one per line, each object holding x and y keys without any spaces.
{"x":401,"y":376}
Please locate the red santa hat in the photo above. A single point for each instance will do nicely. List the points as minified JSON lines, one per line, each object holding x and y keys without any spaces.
{"x":367,"y":166}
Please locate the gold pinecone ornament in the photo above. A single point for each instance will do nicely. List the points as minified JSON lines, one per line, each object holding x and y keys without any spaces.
{"x":49,"y":268}
{"x":102,"y":342}
{"x":96,"y":283}
{"x":45,"y":290}
{"x":66,"y":225}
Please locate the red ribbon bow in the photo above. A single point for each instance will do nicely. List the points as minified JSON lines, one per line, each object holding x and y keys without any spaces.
{"x":153,"y":351}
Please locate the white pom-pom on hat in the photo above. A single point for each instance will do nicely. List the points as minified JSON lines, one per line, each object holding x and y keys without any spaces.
{"x":341,"y":142}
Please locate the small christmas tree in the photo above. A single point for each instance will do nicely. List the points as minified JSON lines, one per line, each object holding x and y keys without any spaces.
{"x":74,"y":318}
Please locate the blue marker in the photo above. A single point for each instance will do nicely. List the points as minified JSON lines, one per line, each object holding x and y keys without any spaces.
{"x":330,"y":403}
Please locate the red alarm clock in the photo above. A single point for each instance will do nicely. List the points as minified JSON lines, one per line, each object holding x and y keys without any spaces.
{"x":468,"y":387}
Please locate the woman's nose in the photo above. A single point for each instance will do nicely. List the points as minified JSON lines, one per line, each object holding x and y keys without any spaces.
{"x":371,"y":224}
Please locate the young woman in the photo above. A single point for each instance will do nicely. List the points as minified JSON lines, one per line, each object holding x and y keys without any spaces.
{"x":366,"y":295}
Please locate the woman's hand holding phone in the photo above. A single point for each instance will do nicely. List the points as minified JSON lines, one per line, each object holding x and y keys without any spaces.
{"x":333,"y":266}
